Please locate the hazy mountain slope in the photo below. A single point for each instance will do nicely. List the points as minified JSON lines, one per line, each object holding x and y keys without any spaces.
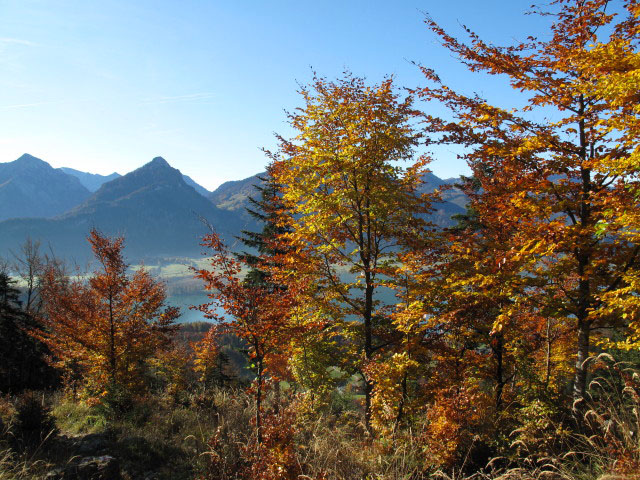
{"x":30,"y":187}
{"x":91,"y":181}
{"x":153,"y":207}
{"x":234,"y":195}
{"x":198,"y":188}
{"x":450,"y":194}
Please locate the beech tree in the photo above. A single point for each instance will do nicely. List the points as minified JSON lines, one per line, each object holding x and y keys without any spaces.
{"x":255,"y":310}
{"x":106,"y":326}
{"x":352,"y":206}
{"x":613,"y":65}
{"x":555,"y":178}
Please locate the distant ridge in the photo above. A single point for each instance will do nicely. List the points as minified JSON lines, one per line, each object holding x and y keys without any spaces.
{"x":159,"y":210}
{"x":198,"y":188}
{"x":91,"y":181}
{"x":30,"y":187}
{"x":234,"y":197}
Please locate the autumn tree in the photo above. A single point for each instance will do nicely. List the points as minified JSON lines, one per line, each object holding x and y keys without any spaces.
{"x":554,"y":178}
{"x":613,"y":66}
{"x":247,"y":307}
{"x":108,"y":325}
{"x":352,"y":206}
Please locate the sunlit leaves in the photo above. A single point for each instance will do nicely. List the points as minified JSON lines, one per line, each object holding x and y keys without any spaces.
{"x":104,"y":329}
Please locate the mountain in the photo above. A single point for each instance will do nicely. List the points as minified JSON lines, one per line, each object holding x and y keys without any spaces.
{"x":91,"y":181}
{"x":157,"y":212}
{"x":234,"y":195}
{"x":198,"y":188}
{"x":454,"y":200}
{"x":30,"y":187}
{"x":154,"y":207}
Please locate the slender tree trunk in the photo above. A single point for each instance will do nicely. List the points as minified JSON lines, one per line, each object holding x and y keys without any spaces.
{"x":547,"y":377}
{"x":112,"y":341}
{"x":580,"y":378}
{"x":498,"y":352}
{"x":368,"y":347}
{"x":259,"y":402}
{"x":402,"y":402}
{"x":583,"y":257}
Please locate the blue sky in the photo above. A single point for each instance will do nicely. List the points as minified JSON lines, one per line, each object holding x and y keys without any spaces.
{"x":106,"y":85}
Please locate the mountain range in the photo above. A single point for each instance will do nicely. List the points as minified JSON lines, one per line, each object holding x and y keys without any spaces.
{"x":160,"y":212}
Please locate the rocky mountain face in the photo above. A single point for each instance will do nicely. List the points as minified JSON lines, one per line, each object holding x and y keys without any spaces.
{"x":234,"y":195}
{"x":30,"y":187}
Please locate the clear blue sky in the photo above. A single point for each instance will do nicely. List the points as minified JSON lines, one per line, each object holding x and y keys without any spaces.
{"x":106,"y":85}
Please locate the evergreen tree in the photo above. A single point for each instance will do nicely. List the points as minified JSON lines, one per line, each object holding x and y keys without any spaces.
{"x":23,"y":363}
{"x":266,"y":208}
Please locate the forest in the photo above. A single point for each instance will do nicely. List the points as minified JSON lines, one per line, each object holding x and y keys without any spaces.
{"x":509,"y":349}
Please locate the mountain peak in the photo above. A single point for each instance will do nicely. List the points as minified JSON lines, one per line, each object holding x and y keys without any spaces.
{"x":158,"y":169}
{"x":29,"y":160}
{"x":152,"y":175}
{"x":159,"y":162}
{"x":30,"y":187}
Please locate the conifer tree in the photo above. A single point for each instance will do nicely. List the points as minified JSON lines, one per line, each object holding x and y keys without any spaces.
{"x":267,"y":208}
{"x":23,"y":363}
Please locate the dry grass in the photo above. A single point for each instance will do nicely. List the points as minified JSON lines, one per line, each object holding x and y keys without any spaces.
{"x":210,"y":434}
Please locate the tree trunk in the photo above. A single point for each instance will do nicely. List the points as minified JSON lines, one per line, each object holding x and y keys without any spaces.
{"x":547,"y":377}
{"x":580,"y":378}
{"x":583,"y":257}
{"x":368,"y":348}
{"x":259,"y":403}
{"x":498,"y":352}
{"x":112,"y":341}
{"x":403,"y":400}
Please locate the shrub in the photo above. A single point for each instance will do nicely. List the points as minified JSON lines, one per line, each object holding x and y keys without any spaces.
{"x":33,"y":423}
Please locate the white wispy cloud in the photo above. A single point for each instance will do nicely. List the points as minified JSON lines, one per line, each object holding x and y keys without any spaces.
{"x":192,"y":97}
{"x":25,"y":105}
{"x":17,"y":41}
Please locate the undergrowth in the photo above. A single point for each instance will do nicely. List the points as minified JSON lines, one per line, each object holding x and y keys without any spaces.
{"x":210,"y":435}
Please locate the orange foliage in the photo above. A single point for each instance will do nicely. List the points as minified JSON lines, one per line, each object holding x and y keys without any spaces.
{"x":454,"y":424}
{"x":553,"y":185}
{"x":108,"y":326}
{"x":256,"y":312}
